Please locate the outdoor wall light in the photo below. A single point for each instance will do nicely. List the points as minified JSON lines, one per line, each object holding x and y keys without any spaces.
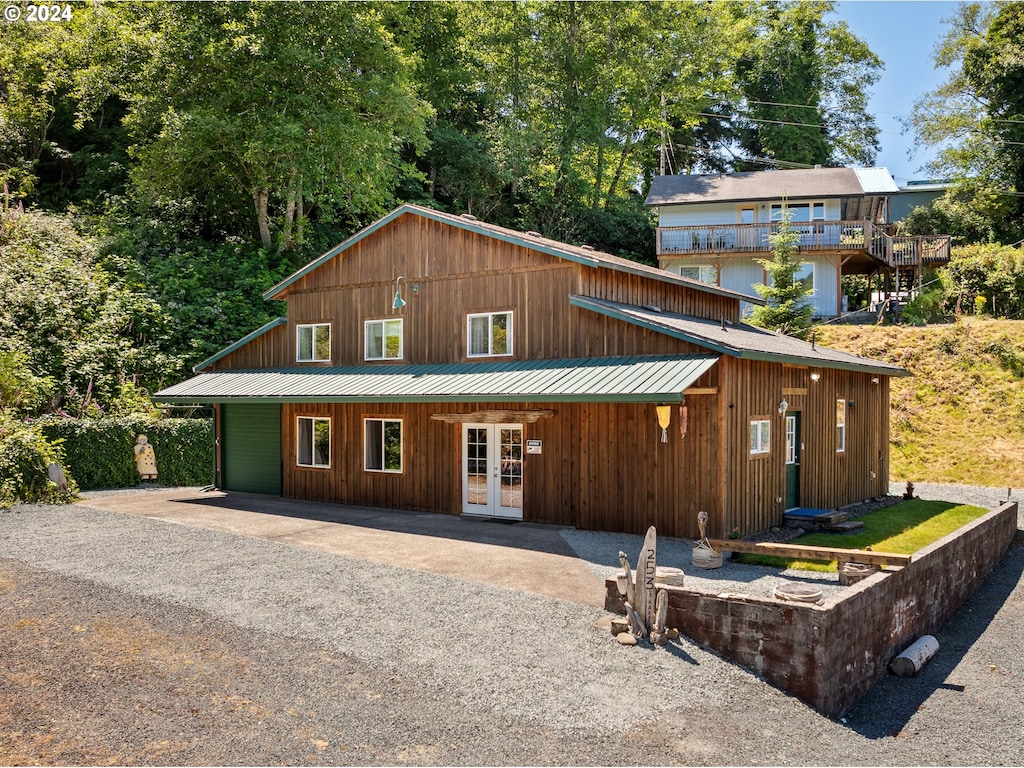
{"x":664,"y":419}
{"x":783,"y":407}
{"x":815,"y":376}
{"x":399,"y":302}
{"x":874,"y":379}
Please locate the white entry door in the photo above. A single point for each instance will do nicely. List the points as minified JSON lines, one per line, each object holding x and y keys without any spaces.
{"x":492,"y":470}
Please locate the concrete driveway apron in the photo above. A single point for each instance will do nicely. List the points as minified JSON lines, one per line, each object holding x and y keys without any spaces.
{"x":522,"y":556}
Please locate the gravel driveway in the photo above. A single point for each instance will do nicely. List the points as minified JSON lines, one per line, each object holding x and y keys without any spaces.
{"x":128,"y":640}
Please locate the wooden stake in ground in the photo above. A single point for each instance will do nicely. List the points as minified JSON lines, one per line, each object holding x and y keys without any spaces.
{"x":659,"y":633}
{"x":637,"y":626}
{"x":646,"y":570}
{"x":630,"y":579}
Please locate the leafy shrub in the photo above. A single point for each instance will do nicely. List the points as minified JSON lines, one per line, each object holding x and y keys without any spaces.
{"x":25,"y":456}
{"x":100,"y":452}
{"x":1010,"y":358}
{"x":924,"y":308}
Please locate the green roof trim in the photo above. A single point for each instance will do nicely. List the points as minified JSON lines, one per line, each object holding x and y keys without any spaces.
{"x":240,"y":343}
{"x":595,"y":379}
{"x":737,"y":339}
{"x":536,"y":242}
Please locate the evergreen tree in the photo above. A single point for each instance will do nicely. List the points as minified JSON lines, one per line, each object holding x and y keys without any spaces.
{"x":787,"y":309}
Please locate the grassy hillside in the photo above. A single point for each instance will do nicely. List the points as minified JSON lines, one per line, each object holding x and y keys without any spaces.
{"x":960,"y":417}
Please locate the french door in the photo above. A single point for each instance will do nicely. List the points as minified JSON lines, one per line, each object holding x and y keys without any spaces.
{"x":492,"y":470}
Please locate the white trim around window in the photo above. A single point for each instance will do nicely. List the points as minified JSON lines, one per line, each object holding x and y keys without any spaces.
{"x":382,"y":441}
{"x":313,"y":343}
{"x":489,"y":334}
{"x":840,"y":426}
{"x":383,"y":339}
{"x":760,"y":436}
{"x":313,"y":442}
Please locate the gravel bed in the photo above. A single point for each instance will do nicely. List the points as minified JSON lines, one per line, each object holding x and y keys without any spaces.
{"x":296,"y":656}
{"x":600,"y":550}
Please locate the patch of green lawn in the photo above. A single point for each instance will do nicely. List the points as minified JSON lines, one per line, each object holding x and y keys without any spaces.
{"x":902,"y":529}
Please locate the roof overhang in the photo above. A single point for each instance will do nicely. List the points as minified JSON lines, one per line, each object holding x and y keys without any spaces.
{"x":596,"y":379}
{"x":275,"y":323}
{"x":737,"y":339}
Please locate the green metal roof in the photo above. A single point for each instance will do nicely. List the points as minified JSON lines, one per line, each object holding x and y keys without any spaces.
{"x":596,"y":379}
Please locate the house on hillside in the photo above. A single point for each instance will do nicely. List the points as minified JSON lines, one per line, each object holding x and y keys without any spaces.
{"x":434,"y":362}
{"x":714,"y":228}
{"x":915,"y":194}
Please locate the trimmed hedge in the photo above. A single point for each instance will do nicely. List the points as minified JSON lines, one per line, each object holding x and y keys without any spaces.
{"x":100,"y":451}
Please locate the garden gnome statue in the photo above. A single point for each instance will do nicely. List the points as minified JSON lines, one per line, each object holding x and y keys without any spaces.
{"x":145,"y":459}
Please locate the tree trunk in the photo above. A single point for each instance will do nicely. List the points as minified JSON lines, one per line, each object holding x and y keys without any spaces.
{"x":626,"y":148}
{"x":287,"y":243}
{"x":261,"y":199}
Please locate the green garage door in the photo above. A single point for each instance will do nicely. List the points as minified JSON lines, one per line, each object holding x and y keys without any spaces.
{"x":250,"y":437}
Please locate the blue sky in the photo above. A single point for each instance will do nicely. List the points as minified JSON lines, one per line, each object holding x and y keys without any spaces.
{"x":902,"y":33}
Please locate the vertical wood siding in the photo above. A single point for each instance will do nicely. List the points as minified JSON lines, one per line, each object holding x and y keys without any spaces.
{"x":603,"y":465}
{"x":828,"y":479}
{"x":269,"y":350}
{"x":459,"y":272}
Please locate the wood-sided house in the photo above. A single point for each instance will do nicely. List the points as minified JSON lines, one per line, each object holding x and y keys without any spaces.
{"x":715,"y":228}
{"x":435,"y":362}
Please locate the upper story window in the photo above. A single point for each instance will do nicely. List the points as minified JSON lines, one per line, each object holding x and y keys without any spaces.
{"x":489,"y":334}
{"x":704,"y":273}
{"x":383,"y":340}
{"x":313,"y":343}
{"x":801,"y":212}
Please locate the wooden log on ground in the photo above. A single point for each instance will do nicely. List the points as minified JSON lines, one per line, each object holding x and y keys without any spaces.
{"x":806,"y":552}
{"x":911,"y":661}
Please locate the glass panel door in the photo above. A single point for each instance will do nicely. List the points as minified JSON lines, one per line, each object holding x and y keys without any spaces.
{"x":475,"y":491}
{"x":492,"y":470}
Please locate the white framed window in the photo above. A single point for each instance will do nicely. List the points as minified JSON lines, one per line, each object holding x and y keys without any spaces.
{"x":705,"y":273}
{"x":801,"y":212}
{"x":383,"y":339}
{"x":313,"y":442}
{"x":804,"y":274}
{"x":840,"y":426}
{"x":383,"y":445}
{"x":489,"y":334}
{"x":313,"y":343}
{"x":760,"y":436}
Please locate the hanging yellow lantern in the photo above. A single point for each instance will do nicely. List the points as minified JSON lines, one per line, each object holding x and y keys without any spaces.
{"x":664,"y":419}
